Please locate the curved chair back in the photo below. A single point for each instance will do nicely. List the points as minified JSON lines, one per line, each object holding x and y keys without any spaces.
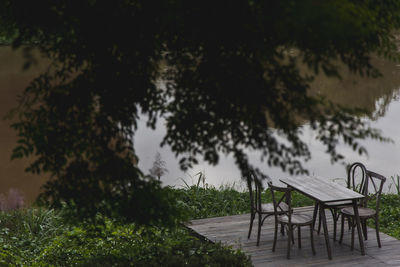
{"x":255,"y":189}
{"x":286,"y":197}
{"x":357,"y":179}
{"x":374,"y":188}
{"x":257,"y":208}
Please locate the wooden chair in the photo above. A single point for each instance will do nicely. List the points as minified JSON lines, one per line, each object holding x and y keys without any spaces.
{"x":263,"y":210}
{"x":289,"y":219}
{"x":373,"y":192}
{"x":356,"y":180}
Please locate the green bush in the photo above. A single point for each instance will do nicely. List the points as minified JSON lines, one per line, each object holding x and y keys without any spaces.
{"x":39,"y":237}
{"x":131,"y":246}
{"x":389,"y":215}
{"x":205,"y":202}
{"x":23,"y":234}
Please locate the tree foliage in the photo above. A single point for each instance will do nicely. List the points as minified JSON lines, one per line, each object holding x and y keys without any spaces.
{"x":224,"y":76}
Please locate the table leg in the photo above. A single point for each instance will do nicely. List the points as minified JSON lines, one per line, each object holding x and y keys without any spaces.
{"x":326,"y":234}
{"x":315,"y":214}
{"x":360,"y":235}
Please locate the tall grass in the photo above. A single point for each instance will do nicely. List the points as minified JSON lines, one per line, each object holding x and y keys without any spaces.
{"x":24,"y":233}
{"x":395,"y":183}
{"x":207,"y":202}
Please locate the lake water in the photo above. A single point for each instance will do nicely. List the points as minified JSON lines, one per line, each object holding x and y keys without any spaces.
{"x":380,"y":96}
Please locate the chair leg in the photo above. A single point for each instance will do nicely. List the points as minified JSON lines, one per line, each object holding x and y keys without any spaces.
{"x":282,"y":230}
{"x":275,"y":235}
{"x":290,"y":235}
{"x":352,"y":236}
{"x":377,"y":231}
{"x":299,"y":235}
{"x":341,"y":230}
{"x":251,"y":224}
{"x":364,"y":227}
{"x":349,"y":222}
{"x":312,"y":239}
{"x":259,"y":229}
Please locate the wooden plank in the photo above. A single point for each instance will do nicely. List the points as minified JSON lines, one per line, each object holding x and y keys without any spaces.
{"x":232,"y":230}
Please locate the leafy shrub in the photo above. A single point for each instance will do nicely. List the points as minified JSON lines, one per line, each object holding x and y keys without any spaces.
{"x":201,"y":202}
{"x":23,"y":233}
{"x":137,"y":246}
{"x":389,"y":215}
{"x":40,"y":237}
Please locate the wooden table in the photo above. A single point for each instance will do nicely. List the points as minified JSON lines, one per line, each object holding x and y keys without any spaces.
{"x":324,"y":191}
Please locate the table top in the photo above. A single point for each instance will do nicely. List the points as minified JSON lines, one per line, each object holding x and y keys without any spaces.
{"x":320,"y":189}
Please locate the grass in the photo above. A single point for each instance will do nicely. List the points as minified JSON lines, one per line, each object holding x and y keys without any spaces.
{"x":395,"y":183}
{"x":211,"y":202}
{"x":24,"y":232}
{"x":389,"y":215}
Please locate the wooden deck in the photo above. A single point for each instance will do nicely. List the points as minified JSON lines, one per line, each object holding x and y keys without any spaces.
{"x":233,"y":230}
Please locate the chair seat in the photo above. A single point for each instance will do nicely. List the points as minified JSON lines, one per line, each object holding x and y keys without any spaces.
{"x":299,"y":219}
{"x":269,"y":208}
{"x":362,"y":212}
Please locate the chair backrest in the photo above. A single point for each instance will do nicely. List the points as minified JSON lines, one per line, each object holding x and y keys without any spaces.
{"x":286,"y":197}
{"x":357,"y":179}
{"x":255,"y":188}
{"x":374,"y":188}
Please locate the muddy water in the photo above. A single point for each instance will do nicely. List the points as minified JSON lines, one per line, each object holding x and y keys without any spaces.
{"x":12,"y":82}
{"x":373,"y":94}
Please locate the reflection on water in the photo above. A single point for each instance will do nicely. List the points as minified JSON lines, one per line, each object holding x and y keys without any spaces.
{"x":371,"y":94}
{"x":379,"y":96}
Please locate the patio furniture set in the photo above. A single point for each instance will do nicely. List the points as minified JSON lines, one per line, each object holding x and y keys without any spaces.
{"x":352,"y":202}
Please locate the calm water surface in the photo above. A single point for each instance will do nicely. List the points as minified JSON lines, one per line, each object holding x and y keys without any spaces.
{"x":379,"y":96}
